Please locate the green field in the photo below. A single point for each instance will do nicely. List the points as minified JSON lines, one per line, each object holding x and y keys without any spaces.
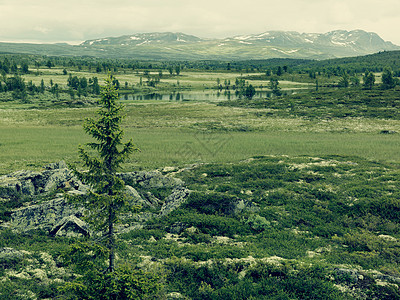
{"x":172,"y":134}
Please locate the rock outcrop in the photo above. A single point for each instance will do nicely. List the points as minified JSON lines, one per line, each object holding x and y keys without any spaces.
{"x":70,"y":226}
{"x":150,"y":180}
{"x":174,"y":200}
{"x":44,"y":215}
{"x":54,"y":176}
{"x":59,"y":217}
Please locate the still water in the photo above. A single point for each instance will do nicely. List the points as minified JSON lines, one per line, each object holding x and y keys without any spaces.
{"x":195,"y":96}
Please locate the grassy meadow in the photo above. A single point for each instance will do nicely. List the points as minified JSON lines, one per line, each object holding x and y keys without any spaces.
{"x":170,"y":134}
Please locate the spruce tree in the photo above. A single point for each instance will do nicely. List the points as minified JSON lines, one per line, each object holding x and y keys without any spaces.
{"x":106,"y":199}
{"x":388,"y":82}
{"x":369,"y":80}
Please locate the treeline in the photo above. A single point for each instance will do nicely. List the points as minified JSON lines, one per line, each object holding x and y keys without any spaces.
{"x":83,"y":86}
{"x":20,"y":90}
{"x":76,"y":86}
{"x":13,"y":64}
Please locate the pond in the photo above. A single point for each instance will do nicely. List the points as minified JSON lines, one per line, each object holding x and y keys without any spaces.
{"x":197,"y":96}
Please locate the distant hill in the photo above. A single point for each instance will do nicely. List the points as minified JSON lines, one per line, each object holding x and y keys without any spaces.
{"x":180,"y":46}
{"x":144,"y":38}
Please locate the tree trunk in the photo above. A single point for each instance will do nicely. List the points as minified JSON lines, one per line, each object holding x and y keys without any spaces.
{"x":111,"y":245}
{"x":111,"y":240}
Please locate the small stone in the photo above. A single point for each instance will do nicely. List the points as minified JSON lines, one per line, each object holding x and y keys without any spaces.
{"x":169,"y":169}
{"x":388,"y":238}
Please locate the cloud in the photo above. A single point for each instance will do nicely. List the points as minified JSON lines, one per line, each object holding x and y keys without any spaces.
{"x":75,"y":20}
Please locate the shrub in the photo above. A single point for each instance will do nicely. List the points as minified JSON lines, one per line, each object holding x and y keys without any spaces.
{"x":210,"y":202}
{"x":124,"y":283}
{"x":258,"y":223}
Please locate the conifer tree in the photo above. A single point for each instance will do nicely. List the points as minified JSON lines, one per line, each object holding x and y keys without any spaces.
{"x":388,"y":82}
{"x":369,"y":80}
{"x":106,"y":199}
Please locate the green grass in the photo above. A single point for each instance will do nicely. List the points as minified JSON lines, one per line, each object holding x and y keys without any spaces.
{"x":171,"y":134}
{"x":33,"y":147}
{"x":331,"y":103}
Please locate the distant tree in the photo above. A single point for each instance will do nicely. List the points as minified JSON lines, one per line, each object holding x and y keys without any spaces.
{"x":24,"y":68}
{"x":37,"y":65}
{"x":170,"y":70}
{"x":49,"y":64}
{"x":274,"y":87}
{"x":14,"y":83}
{"x":178,"y":69}
{"x":71,"y":92}
{"x":73,"y":81}
{"x":83,"y":83}
{"x":355,"y":81}
{"x":17,"y":86}
{"x":55,"y":90}
{"x":6,"y":65}
{"x":69,"y":80}
{"x":14,"y":68}
{"x":42,"y":86}
{"x":31,"y":88}
{"x":115,"y":83}
{"x":79,"y":92}
{"x":279,"y":71}
{"x":388,"y":81}
{"x":98,"y":68}
{"x":249,"y":92}
{"x":344,"y":80}
{"x":94,"y":85}
{"x":368,"y":80}
{"x":65,"y":72}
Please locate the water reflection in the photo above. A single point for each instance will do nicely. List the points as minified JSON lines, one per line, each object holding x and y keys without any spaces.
{"x":196,"y":96}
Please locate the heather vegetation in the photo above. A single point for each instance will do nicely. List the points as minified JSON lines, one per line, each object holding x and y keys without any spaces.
{"x":292,"y":195}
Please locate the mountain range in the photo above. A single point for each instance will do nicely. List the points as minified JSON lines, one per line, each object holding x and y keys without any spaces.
{"x":180,"y":46}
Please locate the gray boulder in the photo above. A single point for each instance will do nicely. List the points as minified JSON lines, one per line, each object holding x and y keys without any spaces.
{"x":155,"y":202}
{"x":174,"y":200}
{"x":43,"y":216}
{"x":55,"y":176}
{"x":70,"y":226}
{"x":57,"y":179}
{"x":21,"y":181}
{"x":135,"y":198}
{"x":150,"y":180}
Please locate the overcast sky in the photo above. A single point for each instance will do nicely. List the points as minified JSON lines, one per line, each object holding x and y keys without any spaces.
{"x":74,"y":21}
